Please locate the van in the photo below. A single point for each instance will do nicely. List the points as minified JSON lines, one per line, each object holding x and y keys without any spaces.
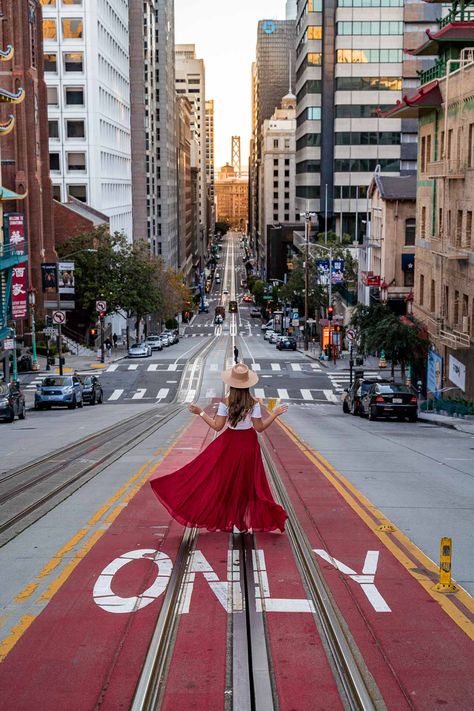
{"x":268,"y":325}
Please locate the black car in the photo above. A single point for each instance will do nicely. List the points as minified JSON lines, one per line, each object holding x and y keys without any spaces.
{"x":12,"y":402}
{"x":351,"y":402}
{"x":92,"y":392}
{"x":255,"y":313}
{"x":390,"y":400}
{"x":286,"y":344}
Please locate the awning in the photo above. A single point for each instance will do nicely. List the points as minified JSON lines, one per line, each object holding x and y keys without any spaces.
{"x":6,"y":194}
{"x":427,"y":97}
{"x":461,"y":33}
{"x":408,"y":262}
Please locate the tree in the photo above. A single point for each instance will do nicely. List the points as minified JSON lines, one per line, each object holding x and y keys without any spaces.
{"x":223,"y":226}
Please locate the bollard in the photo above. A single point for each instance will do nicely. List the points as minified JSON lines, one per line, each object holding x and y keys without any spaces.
{"x":445,"y":584}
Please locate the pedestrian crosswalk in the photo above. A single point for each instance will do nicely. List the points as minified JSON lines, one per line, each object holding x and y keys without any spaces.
{"x":149,"y":395}
{"x":340,"y":381}
{"x":160,"y":367}
{"x":150,"y":368}
{"x":142,"y":394}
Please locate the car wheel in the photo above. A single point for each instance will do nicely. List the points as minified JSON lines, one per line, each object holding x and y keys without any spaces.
{"x":72,"y":406}
{"x":345,"y":407}
{"x":11,"y":416}
{"x":93,"y":400}
{"x":80,"y":403}
{"x":372,"y":415}
{"x":22,"y":413}
{"x":413,"y":418}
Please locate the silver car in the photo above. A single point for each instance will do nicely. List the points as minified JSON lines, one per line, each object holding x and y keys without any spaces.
{"x":154,"y":342}
{"x":59,"y":390}
{"x":139,"y":350}
{"x":268,"y":333}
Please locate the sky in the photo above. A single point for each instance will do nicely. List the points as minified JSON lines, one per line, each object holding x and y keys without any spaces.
{"x":225,"y":35}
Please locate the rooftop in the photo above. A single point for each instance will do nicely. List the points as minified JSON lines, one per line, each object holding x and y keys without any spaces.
{"x":402,"y":187}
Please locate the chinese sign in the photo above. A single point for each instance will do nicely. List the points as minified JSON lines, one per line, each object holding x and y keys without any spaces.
{"x":16,"y":231}
{"x":15,"y":224}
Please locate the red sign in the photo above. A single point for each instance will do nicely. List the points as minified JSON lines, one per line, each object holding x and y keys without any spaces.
{"x":16,"y":233}
{"x":370,"y":279}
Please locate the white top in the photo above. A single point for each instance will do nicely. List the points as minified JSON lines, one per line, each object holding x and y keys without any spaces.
{"x":244,"y":424}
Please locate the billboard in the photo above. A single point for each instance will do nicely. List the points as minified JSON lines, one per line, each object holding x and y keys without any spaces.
{"x":434,"y":375}
{"x":66,"y":277}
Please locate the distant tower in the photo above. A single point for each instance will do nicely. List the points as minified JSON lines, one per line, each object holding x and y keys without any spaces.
{"x":236,"y":156}
{"x":291,"y":9}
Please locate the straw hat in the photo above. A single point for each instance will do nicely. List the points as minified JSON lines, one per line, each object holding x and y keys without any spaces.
{"x":240,"y":376}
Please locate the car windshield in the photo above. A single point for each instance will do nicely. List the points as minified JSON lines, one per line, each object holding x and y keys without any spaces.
{"x":4,"y":389}
{"x":87,"y":380}
{"x":393,"y":388}
{"x":60,"y":382}
{"x":136,"y":345}
{"x":153,"y":338}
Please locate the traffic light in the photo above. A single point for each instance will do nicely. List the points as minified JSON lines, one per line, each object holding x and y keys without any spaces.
{"x":330,"y":312}
{"x":93,"y":332}
{"x":101,"y":314}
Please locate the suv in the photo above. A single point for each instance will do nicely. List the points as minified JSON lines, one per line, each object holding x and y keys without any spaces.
{"x":255,"y":313}
{"x":286,"y":343}
{"x":59,"y":390}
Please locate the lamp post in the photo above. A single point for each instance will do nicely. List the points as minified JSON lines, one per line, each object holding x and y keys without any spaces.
{"x":32,"y":304}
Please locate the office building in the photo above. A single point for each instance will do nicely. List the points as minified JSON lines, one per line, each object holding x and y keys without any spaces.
{"x":190,"y":82}
{"x":291,"y":9}
{"x":210,"y":167}
{"x":87,"y":69}
{"x":185,"y":201}
{"x":232,"y":198}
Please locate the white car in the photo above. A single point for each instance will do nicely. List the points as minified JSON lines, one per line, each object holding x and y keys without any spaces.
{"x":165,"y":339}
{"x":225,"y":291}
{"x":139,"y":350}
{"x":274,"y":337}
{"x":268,"y":333}
{"x":154,"y":342}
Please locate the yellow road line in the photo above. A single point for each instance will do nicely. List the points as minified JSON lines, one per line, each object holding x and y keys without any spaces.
{"x":358,"y":502}
{"x":7,"y":644}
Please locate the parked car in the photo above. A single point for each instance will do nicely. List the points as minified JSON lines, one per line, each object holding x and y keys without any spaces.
{"x":166,"y":340}
{"x":389,"y":400}
{"x":203,"y":309}
{"x":268,"y":334}
{"x":255,"y":313}
{"x":12,"y":402}
{"x":287,"y":343}
{"x":59,"y":390}
{"x":173,"y":335}
{"x":154,"y":342}
{"x":274,"y":337}
{"x":139,"y":350}
{"x":92,"y":392}
{"x":360,"y":386}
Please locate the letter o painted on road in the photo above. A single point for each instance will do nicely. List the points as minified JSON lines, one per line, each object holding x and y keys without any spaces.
{"x":108,"y":601}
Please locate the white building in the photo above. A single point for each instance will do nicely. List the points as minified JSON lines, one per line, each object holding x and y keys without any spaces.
{"x":278,"y":165}
{"x":86,"y":47}
{"x":291,"y":9}
{"x":190,"y":82}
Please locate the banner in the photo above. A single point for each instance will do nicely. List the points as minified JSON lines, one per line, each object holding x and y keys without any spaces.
{"x":15,"y":229}
{"x":66,"y":277}
{"x":457,"y":373}
{"x":434,"y":375}
{"x":337,"y":271}
{"x":49,"y":276}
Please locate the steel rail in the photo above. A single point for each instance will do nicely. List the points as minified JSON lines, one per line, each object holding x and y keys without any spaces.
{"x":349,"y":673}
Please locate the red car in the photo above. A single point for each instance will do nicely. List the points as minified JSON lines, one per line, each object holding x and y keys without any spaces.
{"x":248,"y":298}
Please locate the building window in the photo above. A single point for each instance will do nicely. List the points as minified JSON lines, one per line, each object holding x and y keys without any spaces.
{"x":287,"y":183}
{"x":287,"y":143}
{"x":456,"y":307}
{"x":365,"y":138}
{"x":314,"y":32}
{"x":446,"y":302}
{"x":360,"y":110}
{"x":73,"y":62}
{"x":275,"y":196}
{"x":449,"y":149}
{"x":75,"y":96}
{"x":423,"y":221}
{"x":75,"y":129}
{"x":275,"y":161}
{"x":433,"y":296}
{"x":366,"y":165}
{"x":72,"y":2}
{"x":53,"y":129}
{"x":369,"y":56}
{"x":370,"y":28}
{"x":275,"y":207}
{"x":52,"y":93}
{"x":287,"y":216}
{"x":51,"y":62}
{"x":50,"y":31}
{"x":287,"y":161}
{"x":368,"y":84}
{"x":458,"y":235}
{"x":421,"y":295}
{"x":275,"y":173}
{"x":275,"y":183}
{"x":423,"y":155}
{"x":54,"y":163}
{"x":410,"y":230}
{"x":470,"y":147}
{"x":468,"y":237}
{"x":275,"y":143}
{"x":76,"y":161}
{"x":275,"y":217}
{"x":72,"y":28}
{"x":408,"y":278}
{"x":57,"y":193}
{"x":48,"y":2}
{"x":78,"y":191}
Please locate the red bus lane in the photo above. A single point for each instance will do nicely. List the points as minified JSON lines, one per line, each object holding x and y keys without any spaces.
{"x":416,"y":653}
{"x":88,"y":645}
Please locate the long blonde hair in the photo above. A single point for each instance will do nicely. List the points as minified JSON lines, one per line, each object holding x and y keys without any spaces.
{"x":241,"y":403}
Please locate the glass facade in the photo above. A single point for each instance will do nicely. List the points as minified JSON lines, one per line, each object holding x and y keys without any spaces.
{"x":367,"y":138}
{"x":366,"y":165}
{"x":368,"y":84}
{"x":370,"y":28}
{"x":360,"y":110}
{"x":369,"y":56}
{"x":370,"y":3}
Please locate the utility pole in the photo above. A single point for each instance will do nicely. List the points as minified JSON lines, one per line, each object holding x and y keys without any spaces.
{"x":307,"y":229}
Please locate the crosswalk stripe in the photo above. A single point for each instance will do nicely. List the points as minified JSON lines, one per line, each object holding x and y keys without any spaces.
{"x":296,"y":366}
{"x":116,"y":395}
{"x":162,"y":393}
{"x":256,"y":366}
{"x":306,"y":395}
{"x":329,"y":395}
{"x":283,"y":394}
{"x":112,"y":368}
{"x":153,"y":368}
{"x":139,"y":394}
{"x":133,"y":367}
{"x":315,"y":366}
{"x":173,"y":367}
{"x":259,"y":393}
{"x":276,"y":366}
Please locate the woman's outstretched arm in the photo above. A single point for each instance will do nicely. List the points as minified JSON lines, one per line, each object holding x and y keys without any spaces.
{"x":260,"y":424}
{"x":216,"y":423}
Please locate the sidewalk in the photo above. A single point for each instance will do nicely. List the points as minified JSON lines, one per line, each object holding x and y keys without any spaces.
{"x":453,"y":423}
{"x":73,"y":362}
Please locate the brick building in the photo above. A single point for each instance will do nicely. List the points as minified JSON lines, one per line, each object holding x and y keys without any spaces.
{"x":25,"y":155}
{"x":231,"y":197}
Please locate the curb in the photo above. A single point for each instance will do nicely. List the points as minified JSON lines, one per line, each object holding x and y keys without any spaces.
{"x":446,"y":425}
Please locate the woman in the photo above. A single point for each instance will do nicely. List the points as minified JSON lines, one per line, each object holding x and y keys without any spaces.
{"x":226,"y":485}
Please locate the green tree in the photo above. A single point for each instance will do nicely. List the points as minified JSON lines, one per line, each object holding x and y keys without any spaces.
{"x":223,"y":226}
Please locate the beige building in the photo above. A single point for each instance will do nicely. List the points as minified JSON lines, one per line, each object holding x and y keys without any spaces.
{"x":185,"y":202}
{"x":231,"y":197}
{"x":390,"y":271}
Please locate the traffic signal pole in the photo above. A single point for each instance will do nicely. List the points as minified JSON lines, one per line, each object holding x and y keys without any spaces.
{"x":307,"y":224}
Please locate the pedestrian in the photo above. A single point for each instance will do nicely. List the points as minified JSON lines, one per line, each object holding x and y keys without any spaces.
{"x":236,"y":355}
{"x":108,"y":346}
{"x":115,"y":339}
{"x":226,"y":484}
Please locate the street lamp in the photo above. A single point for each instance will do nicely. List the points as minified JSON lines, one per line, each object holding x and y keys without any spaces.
{"x":32,"y":304}
{"x":307,"y":229}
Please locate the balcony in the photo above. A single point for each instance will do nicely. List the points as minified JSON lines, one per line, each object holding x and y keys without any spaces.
{"x":438,"y":71}
{"x":454,"y":339}
{"x":456,"y":15}
{"x":450,"y":169}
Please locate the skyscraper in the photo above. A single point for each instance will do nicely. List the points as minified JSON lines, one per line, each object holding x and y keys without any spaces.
{"x":190,"y":82}
{"x":210,"y":166}
{"x":87,"y":70}
{"x":291,"y":9}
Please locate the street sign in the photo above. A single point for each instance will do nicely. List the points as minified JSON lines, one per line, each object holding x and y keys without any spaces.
{"x":101,"y":305}
{"x":51,"y":332}
{"x":295,"y":315}
{"x":59,"y":317}
{"x":350,"y":334}
{"x":8,"y":344}
{"x":268,"y":298}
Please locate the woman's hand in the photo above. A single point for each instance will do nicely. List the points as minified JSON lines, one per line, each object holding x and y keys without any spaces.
{"x":280,"y":410}
{"x":195,"y":409}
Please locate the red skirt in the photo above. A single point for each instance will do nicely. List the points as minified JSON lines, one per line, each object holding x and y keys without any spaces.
{"x":223,"y":487}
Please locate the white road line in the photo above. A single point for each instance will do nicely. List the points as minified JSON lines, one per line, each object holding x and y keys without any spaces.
{"x":133,"y":367}
{"x":276,"y":366}
{"x":306,"y":394}
{"x":256,"y":366}
{"x":295,"y":366}
{"x":112,"y":368}
{"x":259,"y":393}
{"x":329,"y":395}
{"x":283,"y":394}
{"x":315,"y":366}
{"x":173,"y":367}
{"x":162,"y":393}
{"x":116,"y":395}
{"x":153,"y":368}
{"x":140,"y":394}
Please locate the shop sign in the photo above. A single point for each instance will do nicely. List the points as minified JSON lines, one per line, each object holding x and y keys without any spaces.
{"x":434,"y":375}
{"x":457,"y":373}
